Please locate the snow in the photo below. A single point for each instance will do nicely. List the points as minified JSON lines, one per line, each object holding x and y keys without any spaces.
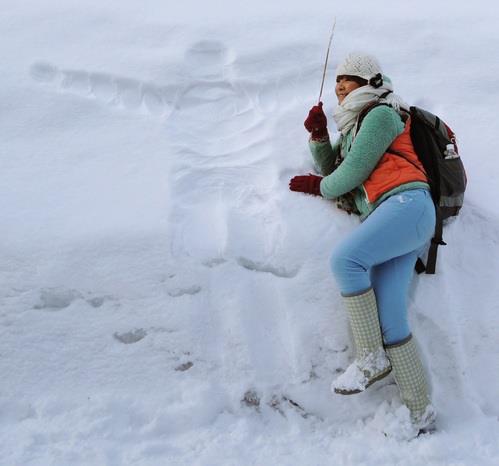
{"x":165,"y":299}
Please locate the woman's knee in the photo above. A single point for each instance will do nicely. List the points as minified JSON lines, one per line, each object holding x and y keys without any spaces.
{"x":350,"y":275}
{"x":393,"y":336}
{"x":394,"y":328}
{"x":340,"y":262}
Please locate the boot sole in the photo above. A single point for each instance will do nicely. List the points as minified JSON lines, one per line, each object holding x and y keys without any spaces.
{"x":342,"y":391}
{"x":427,"y":430}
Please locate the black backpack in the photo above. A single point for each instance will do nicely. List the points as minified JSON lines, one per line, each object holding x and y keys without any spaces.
{"x":435,"y":145}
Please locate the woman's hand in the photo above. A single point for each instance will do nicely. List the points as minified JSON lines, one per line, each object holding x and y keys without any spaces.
{"x":310,"y":184}
{"x":316,"y":123}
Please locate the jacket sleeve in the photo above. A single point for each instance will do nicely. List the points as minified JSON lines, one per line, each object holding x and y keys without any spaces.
{"x":324,"y":154}
{"x":379,"y":128}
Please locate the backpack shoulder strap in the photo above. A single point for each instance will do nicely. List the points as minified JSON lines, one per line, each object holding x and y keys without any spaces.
{"x":363,"y":113}
{"x":366,"y":109}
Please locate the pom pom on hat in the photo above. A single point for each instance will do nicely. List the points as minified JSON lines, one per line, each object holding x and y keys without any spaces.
{"x":359,"y":64}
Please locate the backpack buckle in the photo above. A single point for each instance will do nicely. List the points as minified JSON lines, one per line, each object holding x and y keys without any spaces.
{"x":440,"y":242}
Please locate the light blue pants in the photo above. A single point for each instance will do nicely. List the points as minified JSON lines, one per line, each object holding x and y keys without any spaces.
{"x":381,"y":253}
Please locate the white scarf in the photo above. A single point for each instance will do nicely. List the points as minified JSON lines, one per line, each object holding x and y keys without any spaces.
{"x":345,"y":114}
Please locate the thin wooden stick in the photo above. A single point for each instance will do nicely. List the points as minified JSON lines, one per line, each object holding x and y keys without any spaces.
{"x":327,"y":57}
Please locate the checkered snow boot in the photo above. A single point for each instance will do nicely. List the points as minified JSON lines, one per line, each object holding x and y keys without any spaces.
{"x":409,"y":375}
{"x":371,"y":363}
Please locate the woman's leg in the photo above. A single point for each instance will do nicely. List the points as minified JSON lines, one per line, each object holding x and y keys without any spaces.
{"x":400,"y":225}
{"x":381,"y":253}
{"x":391,"y":281}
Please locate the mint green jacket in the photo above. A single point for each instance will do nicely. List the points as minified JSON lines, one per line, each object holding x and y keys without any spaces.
{"x":358,"y":159}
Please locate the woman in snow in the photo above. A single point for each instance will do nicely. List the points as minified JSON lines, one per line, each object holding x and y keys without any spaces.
{"x":372,"y":170}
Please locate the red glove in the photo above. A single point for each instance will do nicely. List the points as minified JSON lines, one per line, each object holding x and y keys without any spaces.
{"x":316,"y":122}
{"x":310,"y":184}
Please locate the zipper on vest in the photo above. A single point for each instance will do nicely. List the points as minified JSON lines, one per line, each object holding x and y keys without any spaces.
{"x":366,"y":195}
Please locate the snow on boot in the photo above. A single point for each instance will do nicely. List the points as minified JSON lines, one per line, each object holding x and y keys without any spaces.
{"x":362,"y":373}
{"x":410,"y":377}
{"x":371,"y":363}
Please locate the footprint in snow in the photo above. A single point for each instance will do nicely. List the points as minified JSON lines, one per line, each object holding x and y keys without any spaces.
{"x":280,"y":403}
{"x":191,"y":290}
{"x":130,"y":337}
{"x":254,"y":266}
{"x":59,"y":298}
{"x":97,"y":301}
{"x":251,"y":399}
{"x":214,"y":262}
{"x":184,"y":367}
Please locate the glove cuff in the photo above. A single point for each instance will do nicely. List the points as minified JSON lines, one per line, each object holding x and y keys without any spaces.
{"x":319,"y":135}
{"x":317,"y":187}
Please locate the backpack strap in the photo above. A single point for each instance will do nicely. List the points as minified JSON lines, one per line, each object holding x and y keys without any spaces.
{"x":365,"y":110}
{"x":436,"y":241}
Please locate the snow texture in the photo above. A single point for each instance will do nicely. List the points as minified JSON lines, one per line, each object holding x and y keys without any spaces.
{"x":165,"y":299}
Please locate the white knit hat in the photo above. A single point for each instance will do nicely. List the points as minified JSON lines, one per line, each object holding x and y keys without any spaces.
{"x":359,"y":64}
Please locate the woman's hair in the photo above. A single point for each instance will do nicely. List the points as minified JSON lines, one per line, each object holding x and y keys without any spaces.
{"x":360,"y":81}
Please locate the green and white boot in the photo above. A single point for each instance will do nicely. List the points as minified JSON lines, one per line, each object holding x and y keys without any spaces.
{"x":371,"y":363}
{"x":410,"y":377}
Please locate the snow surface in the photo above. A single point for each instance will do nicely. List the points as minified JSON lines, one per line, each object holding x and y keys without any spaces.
{"x":165,"y":299}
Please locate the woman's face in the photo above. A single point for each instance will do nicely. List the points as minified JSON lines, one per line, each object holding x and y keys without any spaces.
{"x":344,"y":85}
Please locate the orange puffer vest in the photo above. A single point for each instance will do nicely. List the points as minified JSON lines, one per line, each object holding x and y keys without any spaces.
{"x":398,"y":165}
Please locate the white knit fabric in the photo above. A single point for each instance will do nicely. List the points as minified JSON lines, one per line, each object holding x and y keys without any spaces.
{"x":359,"y":64}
